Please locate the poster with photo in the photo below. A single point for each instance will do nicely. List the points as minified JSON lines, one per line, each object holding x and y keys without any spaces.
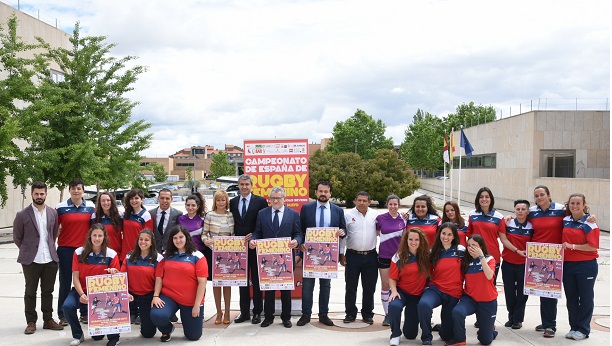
{"x":108,"y":305}
{"x":321,"y":255}
{"x":544,"y":270}
{"x":275,"y":263}
{"x":230,"y":261}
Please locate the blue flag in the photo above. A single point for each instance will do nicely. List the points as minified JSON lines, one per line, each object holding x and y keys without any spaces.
{"x":465,"y":144}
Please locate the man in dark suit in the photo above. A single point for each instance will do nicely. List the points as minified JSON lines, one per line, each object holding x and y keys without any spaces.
{"x":320,"y":213}
{"x":245,"y":208}
{"x":34,"y":232}
{"x":277,"y":221}
{"x":164,"y":217}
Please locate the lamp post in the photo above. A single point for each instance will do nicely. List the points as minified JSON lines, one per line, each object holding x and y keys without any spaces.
{"x":356,"y":140}
{"x":193,"y":152}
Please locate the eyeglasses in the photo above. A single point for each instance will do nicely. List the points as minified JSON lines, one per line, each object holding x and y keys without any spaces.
{"x":276,"y":198}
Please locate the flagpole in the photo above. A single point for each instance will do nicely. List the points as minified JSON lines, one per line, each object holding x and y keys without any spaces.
{"x":444,"y":166}
{"x":451,"y":151}
{"x":459,"y":187}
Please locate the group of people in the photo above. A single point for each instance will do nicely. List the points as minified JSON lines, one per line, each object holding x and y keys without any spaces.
{"x":423,"y":261}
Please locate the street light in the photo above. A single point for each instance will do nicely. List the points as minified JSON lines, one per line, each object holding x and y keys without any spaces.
{"x":356,"y":140}
{"x":193,"y":152}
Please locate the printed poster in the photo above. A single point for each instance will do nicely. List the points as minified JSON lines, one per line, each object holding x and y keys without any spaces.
{"x":275,"y":262}
{"x":108,"y":307}
{"x":544,"y":270}
{"x":279,"y":162}
{"x":321,"y":256}
{"x":230,"y":256}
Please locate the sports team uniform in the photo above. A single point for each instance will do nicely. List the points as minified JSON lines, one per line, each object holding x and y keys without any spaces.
{"x":428,"y":224}
{"x":513,"y":269}
{"x":132,"y":227}
{"x":114,"y":233}
{"x":488,"y":226}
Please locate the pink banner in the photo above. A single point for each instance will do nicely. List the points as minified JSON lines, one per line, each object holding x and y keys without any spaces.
{"x":275,"y":264}
{"x":321,"y":257}
{"x":108,"y":307}
{"x":230,"y":266}
{"x":544,"y":270}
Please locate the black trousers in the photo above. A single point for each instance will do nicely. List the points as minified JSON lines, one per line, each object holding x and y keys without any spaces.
{"x":269,"y":305}
{"x":364,"y":265}
{"x":245,"y":293}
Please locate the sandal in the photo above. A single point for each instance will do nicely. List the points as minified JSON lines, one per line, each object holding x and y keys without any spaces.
{"x":219,"y":318}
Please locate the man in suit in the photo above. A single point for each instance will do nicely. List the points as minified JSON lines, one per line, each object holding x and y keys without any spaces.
{"x":245,"y":208}
{"x":34,"y":231}
{"x":165,"y":217}
{"x":320,"y":213}
{"x":277,"y":221}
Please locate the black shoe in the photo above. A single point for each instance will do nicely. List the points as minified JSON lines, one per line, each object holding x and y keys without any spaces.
{"x":266,"y":322}
{"x":242,"y":318}
{"x":167,"y":337}
{"x":436,"y":327}
{"x":368,"y":320}
{"x":256,"y":319}
{"x":326,"y":321}
{"x":287,"y":324}
{"x":348,"y":319}
{"x":304,"y":320}
{"x":173,"y":318}
{"x":517,"y":325}
{"x":112,"y":342}
{"x":508,"y":324}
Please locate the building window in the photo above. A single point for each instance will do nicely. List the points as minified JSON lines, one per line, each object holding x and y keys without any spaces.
{"x":184,"y":164}
{"x":57,"y":76}
{"x":558,"y":163}
{"x":476,"y":161}
{"x":143,"y":164}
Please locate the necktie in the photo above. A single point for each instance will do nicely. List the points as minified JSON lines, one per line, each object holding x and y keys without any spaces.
{"x":243,"y":212}
{"x":322,"y":216}
{"x":160,"y":226}
{"x":275,"y":224}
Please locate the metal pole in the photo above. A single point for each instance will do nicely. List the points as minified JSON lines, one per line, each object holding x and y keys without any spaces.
{"x":356,"y":140}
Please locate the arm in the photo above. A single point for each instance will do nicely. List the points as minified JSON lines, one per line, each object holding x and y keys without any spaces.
{"x":580,"y":247}
{"x":296,"y":234}
{"x":508,"y":245}
{"x":157,"y":302}
{"x":393,"y":287}
{"x":195,"y":311}
{"x":257,"y":234}
{"x":77,"y":286}
{"x":342,"y":224}
{"x":206,"y":235}
{"x":486,"y":269}
{"x":18,"y":230}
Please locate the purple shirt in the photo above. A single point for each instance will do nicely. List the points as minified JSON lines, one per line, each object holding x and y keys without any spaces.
{"x":391,"y":231}
{"x":194,"y":226}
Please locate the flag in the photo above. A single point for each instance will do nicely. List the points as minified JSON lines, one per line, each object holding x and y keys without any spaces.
{"x":452,"y":146}
{"x":465,"y":144}
{"x":446,"y":155}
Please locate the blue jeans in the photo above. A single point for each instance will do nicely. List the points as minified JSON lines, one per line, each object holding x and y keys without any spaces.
{"x":64,"y":253}
{"x":71,"y":304}
{"x":514,"y":276}
{"x":147,"y":328}
{"x":192,"y":327}
{"x":578,"y":283}
{"x":485,"y":316}
{"x":408,"y":303}
{"x":432,"y":298}
{"x":307,"y":293}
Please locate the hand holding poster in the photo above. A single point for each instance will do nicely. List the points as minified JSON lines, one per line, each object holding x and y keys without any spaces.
{"x":321,"y":256}
{"x":275,"y":262}
{"x":230,"y":266}
{"x":108,"y":307}
{"x":544,"y":270}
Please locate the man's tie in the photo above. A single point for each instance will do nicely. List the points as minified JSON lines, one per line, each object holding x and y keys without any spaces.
{"x":243,"y":212}
{"x":275,"y":223}
{"x":160,"y":226}
{"x":322,"y":216}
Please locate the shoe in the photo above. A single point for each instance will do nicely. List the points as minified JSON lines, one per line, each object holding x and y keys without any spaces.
{"x":508,"y":324}
{"x":428,"y":342}
{"x":436,"y":327}
{"x":226,"y":320}
{"x":63,"y":322}
{"x":256,"y":319}
{"x":394,"y":341}
{"x":167,"y":337}
{"x":30,"y":329}
{"x":287,"y":324}
{"x":83,"y":319}
{"x":540,"y":328}
{"x":173,"y":318}
{"x":570,"y":334}
{"x":133,"y":319}
{"x":51,"y":324}
{"x":326,"y":321}
{"x":578,"y":335}
{"x":137,"y":320}
{"x":517,"y":325}
{"x":476,"y":324}
{"x":368,"y":320}
{"x":242,"y":318}
{"x":113,"y":342}
{"x":452,"y":343}
{"x":348,"y":319}
{"x":386,"y":321}
{"x":304,"y":320}
{"x":77,"y":342}
{"x":266,"y":323}
{"x":550,"y":333}
{"x":219,"y":318}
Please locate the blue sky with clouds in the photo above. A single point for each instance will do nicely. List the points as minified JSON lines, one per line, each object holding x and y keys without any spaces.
{"x":224,"y":71}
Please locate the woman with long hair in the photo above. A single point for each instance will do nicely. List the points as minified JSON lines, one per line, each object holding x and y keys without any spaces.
{"x":108,"y":214}
{"x":451,"y":213}
{"x":480,"y":295}
{"x":407,"y":279}
{"x":423,"y":214}
{"x":446,"y":284}
{"x":180,"y":285}
{"x":194,"y":219}
{"x":93,"y":258}
{"x":580,"y":242}
{"x":135,"y":219}
{"x":219,"y":222}
{"x":142,"y":265}
{"x":390,"y":226}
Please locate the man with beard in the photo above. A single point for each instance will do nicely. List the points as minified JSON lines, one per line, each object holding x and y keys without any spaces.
{"x":320,"y":213}
{"x":34,"y":232}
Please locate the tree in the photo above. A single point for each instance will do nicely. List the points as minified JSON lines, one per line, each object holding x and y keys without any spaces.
{"x":423,"y":145}
{"x":361,"y":127}
{"x":18,"y":91}
{"x":159,"y":172}
{"x":83,"y":120}
{"x":220,"y":166}
{"x":190,"y":183}
{"x":387,"y":174}
{"x":467,"y":115}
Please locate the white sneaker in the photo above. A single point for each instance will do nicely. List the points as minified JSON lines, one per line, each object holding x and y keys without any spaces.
{"x":394,"y":341}
{"x":578,"y":335}
{"x":570,"y":334}
{"x":76,"y":342}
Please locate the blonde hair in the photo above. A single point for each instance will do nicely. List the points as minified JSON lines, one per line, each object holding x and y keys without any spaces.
{"x":218,"y":195}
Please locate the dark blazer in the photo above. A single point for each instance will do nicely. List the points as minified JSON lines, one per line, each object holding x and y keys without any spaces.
{"x":242,"y":228}
{"x":172,"y":221}
{"x":308,"y":216}
{"x":27,"y":238}
{"x":289,"y":227}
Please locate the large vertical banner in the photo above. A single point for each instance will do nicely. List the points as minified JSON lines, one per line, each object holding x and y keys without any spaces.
{"x":108,"y":306}
{"x":230,"y":261}
{"x":279,"y":162}
{"x":544,"y":270}
{"x":275,"y":262}
{"x":321,"y":257}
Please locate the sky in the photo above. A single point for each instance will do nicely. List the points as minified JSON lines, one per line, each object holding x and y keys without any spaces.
{"x":223,"y":71}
